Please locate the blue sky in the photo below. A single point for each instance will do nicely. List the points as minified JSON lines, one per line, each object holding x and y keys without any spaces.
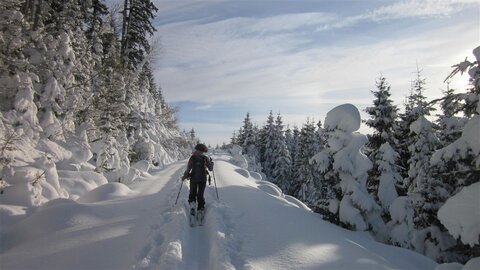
{"x":221,"y":59}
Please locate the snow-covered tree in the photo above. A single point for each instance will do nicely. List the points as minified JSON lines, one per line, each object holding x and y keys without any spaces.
{"x":66,"y":96}
{"x":458,"y":164}
{"x":389,"y":177}
{"x":282,"y":169}
{"x":426,"y":193}
{"x":348,"y":168}
{"x":291,"y":137}
{"x":137,"y":16}
{"x":449,"y":122}
{"x":268,"y":142}
{"x":302,"y":169}
{"x":248,"y":140}
{"x":383,"y":116}
{"x":415,"y":107}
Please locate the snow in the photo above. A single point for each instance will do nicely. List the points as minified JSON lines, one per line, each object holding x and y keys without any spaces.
{"x":106,"y":192}
{"x":449,"y":266}
{"x":345,"y":117}
{"x":388,"y":179}
{"x":467,"y":144}
{"x":460,"y":214}
{"x":139,"y":227}
{"x":345,"y":147}
{"x":473,"y":264}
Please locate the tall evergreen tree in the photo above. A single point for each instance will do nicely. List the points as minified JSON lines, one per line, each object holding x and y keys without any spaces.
{"x":383,"y":115}
{"x":426,"y":192}
{"x":449,"y":122}
{"x":282,"y":165}
{"x":346,"y":199}
{"x":303,"y":169}
{"x":291,"y":137}
{"x":137,"y":24}
{"x":416,"y":107}
{"x":269,"y":143}
{"x":457,"y":165}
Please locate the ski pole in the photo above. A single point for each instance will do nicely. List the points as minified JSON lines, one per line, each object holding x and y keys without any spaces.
{"x":178,"y":195}
{"x":215,"y":182}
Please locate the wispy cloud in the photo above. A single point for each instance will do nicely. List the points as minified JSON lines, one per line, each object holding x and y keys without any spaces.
{"x":286,"y":64}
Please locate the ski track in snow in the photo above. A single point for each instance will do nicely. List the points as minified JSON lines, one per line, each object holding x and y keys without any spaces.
{"x":173,"y":244}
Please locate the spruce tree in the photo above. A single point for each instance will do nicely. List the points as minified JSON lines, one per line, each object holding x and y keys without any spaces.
{"x":383,"y":116}
{"x":449,"y":122}
{"x":269,"y":144}
{"x":457,"y":165}
{"x":415,"y":107}
{"x":282,"y":164}
{"x":137,"y":16}
{"x":304,"y":177}
{"x":426,"y":193}
{"x":345,"y":198}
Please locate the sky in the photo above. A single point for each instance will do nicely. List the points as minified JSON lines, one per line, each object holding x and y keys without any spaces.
{"x":220,"y":59}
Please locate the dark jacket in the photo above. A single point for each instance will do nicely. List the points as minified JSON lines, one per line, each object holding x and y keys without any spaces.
{"x":197,"y":167}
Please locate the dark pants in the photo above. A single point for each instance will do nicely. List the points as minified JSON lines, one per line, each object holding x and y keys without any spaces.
{"x":196,"y":193}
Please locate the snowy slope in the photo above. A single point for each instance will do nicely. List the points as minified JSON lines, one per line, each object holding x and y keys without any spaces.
{"x":252,"y":227}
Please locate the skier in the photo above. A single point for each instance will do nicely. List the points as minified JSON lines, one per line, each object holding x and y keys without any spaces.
{"x":197,"y":173}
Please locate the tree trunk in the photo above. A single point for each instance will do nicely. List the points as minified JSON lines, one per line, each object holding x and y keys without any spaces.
{"x":125,"y":15}
{"x":38,"y":13}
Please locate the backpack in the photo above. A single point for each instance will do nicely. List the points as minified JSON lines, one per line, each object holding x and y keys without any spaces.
{"x":199,"y":168}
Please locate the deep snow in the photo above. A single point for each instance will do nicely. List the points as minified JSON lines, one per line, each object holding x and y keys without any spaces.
{"x":253,"y":226}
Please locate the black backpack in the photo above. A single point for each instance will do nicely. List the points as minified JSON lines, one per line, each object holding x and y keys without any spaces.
{"x":199,"y":168}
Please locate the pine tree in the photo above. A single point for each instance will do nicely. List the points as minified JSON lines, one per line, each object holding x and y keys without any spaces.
{"x":457,"y":165}
{"x":426,"y":193}
{"x":292,"y":144}
{"x":304,"y":177}
{"x":345,"y":198}
{"x":282,"y":165}
{"x":246,"y":136}
{"x":137,"y":23}
{"x":268,"y":142}
{"x":416,"y":107}
{"x":17,"y":75}
{"x":449,"y":123}
{"x":389,"y":177}
{"x":382,"y":115}
{"x":63,"y":83}
{"x":247,"y":139}
{"x":382,"y":119}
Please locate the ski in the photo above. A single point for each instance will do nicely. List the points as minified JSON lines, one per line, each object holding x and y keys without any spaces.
{"x":193,"y":214}
{"x":200,"y":216}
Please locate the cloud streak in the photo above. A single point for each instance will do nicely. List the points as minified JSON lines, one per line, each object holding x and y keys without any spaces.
{"x":283,"y":57}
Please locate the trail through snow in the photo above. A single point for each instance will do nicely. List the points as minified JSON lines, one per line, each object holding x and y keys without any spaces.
{"x":253,"y":226}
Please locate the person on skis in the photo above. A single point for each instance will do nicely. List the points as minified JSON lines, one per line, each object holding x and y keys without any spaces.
{"x":197,"y":173}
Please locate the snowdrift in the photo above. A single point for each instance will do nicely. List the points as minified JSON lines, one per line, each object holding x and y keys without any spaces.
{"x":253,"y":226}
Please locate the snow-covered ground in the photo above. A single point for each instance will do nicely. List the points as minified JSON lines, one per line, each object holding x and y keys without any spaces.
{"x":252,"y":226}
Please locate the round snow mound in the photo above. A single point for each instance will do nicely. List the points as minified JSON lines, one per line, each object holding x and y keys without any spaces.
{"x":256,"y":175}
{"x":106,"y":192}
{"x":243,"y":172}
{"x":345,"y":117}
{"x":270,"y":189}
{"x":297,"y":202}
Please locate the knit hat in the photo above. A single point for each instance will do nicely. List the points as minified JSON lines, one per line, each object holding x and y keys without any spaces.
{"x":201,"y":147}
